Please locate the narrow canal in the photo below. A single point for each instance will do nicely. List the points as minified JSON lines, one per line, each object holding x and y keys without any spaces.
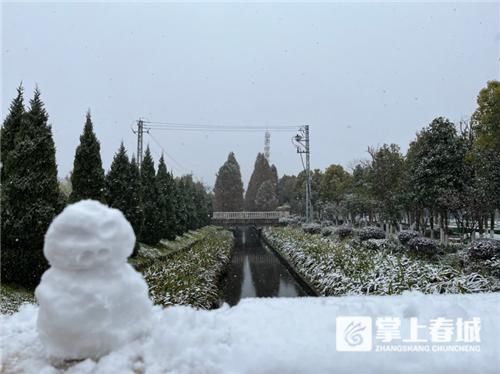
{"x":255,"y":271}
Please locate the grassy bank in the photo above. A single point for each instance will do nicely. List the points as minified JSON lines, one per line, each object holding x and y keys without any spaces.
{"x":187,"y":272}
{"x":349,"y":267}
{"x":13,"y":296}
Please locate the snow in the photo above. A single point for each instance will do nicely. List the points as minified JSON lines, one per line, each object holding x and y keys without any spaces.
{"x":91,"y":301}
{"x":295,"y":335}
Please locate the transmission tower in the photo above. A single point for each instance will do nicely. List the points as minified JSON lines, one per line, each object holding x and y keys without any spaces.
{"x":267,"y":146}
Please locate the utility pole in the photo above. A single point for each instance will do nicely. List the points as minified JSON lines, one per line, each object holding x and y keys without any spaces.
{"x":309,"y":212}
{"x":301,"y":142}
{"x":140,"y":136}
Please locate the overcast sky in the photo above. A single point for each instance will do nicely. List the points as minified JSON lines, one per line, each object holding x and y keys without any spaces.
{"x":358,"y":74}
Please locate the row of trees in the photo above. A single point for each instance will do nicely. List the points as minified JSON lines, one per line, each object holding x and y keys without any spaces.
{"x":449,"y":171}
{"x":262,"y":191}
{"x":157,"y":205}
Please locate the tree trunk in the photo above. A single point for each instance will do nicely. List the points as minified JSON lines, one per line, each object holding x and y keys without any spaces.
{"x":492,"y":225}
{"x":446,"y":228}
{"x":481,"y":227}
{"x":441,"y":226}
{"x":432,"y":225}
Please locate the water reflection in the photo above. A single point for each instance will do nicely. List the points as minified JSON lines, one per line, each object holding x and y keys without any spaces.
{"x":256,"y":272}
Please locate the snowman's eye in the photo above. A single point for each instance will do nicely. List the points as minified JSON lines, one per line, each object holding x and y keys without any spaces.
{"x":86,"y":257}
{"x":103,"y":253}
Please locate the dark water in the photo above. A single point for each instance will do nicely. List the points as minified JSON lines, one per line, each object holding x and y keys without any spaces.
{"x":256,"y":272}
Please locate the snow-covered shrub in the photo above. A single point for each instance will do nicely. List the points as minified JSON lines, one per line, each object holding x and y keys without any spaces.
{"x":327,"y":231}
{"x":311,"y":228}
{"x":343,"y":232}
{"x":371,"y":232}
{"x":484,"y":249}
{"x":326,"y":223}
{"x":286,"y":221}
{"x":379,"y":244}
{"x":421,"y":245}
{"x":406,"y":235}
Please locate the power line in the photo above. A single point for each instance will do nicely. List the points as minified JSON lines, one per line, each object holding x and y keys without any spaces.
{"x":167,"y":154}
{"x":174,"y":126}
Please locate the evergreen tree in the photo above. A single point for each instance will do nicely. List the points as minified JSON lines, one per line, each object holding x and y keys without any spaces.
{"x":286,"y":188}
{"x":486,"y":120}
{"x":387,"y":176}
{"x":87,"y":178}
{"x":166,"y":190}
{"x":261,"y":173}
{"x":152,"y":230}
{"x":190,"y":202}
{"x":123,"y":189}
{"x":202,"y":202}
{"x":30,"y":194}
{"x":228,"y":191}
{"x":118,"y":180}
{"x":437,"y":173}
{"x":266,"y":199}
{"x":335,"y":184}
{"x":11,"y":126}
{"x":181,"y":213}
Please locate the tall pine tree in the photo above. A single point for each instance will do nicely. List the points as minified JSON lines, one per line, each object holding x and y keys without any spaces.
{"x":262,"y":172}
{"x":30,"y":193}
{"x":151,"y":230}
{"x":202,"y":203}
{"x":181,"y":206}
{"x":11,"y":126}
{"x":166,"y":190}
{"x":118,"y":180}
{"x":87,"y":178}
{"x":123,"y":189}
{"x":228,"y":191}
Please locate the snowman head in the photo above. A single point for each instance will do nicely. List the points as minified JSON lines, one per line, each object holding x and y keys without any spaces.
{"x":88,"y":235}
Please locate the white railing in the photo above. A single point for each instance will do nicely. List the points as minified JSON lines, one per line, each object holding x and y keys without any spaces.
{"x":250,"y":215}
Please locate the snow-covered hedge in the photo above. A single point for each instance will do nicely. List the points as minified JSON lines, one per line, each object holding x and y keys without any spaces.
{"x":484,"y":249}
{"x":347,"y":268}
{"x":371,"y":232}
{"x":311,"y":228}
{"x":191,"y":276}
{"x":290,"y":220}
{"x":423,"y":246}
{"x":327,"y":231}
{"x":406,"y":235}
{"x":343,"y":232}
{"x":379,"y":244}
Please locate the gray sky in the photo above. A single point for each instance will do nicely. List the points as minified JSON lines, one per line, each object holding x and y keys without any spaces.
{"x":359,"y":74}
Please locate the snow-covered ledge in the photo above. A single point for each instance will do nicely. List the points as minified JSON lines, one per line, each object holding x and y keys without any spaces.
{"x":288,"y":336}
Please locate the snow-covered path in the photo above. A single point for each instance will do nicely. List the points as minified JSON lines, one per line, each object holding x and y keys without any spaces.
{"x":276,"y":336}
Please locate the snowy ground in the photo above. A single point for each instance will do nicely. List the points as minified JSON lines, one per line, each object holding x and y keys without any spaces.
{"x":275,"y":336}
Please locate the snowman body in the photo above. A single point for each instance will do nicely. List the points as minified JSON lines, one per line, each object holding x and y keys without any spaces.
{"x":91,"y":300}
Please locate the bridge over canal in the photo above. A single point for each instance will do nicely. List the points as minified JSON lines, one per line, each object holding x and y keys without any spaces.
{"x":248,"y":218}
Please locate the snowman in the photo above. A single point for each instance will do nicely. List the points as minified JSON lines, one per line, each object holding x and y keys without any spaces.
{"x":91,"y":301}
